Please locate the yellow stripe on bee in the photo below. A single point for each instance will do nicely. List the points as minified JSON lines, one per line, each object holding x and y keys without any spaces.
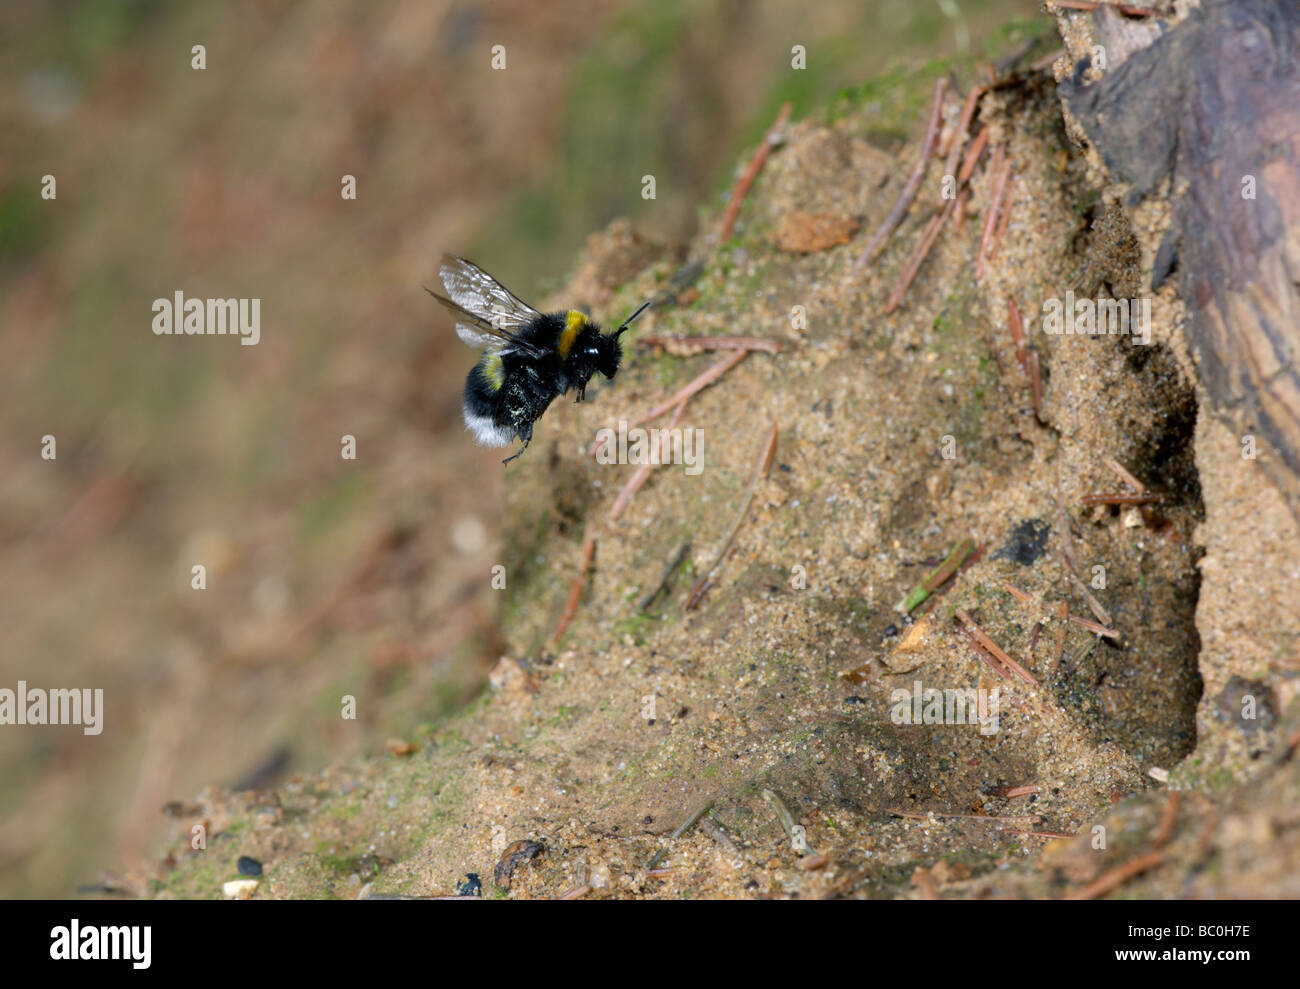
{"x":574,"y":321}
{"x":493,"y":371}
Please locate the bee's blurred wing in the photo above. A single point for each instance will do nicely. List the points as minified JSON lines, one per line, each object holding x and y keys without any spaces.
{"x":482,"y":335}
{"x":479,"y":293}
{"x":478,"y":339}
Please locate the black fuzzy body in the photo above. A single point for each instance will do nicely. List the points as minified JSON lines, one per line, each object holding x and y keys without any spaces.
{"x":514,"y":392}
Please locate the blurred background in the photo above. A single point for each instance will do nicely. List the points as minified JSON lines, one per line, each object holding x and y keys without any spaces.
{"x":325,"y":576}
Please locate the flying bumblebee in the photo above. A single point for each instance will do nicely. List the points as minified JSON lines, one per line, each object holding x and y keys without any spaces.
{"x":529,"y":358}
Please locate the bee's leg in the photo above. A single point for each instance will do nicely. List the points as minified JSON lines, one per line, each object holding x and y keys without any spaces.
{"x":582,"y":393}
{"x":527,"y":438}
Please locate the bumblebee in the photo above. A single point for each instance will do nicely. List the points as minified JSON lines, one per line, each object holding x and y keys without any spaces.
{"x":529,"y":358}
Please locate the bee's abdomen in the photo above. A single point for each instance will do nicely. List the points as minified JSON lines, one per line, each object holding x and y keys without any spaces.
{"x":504,"y":396}
{"x":482,"y":403}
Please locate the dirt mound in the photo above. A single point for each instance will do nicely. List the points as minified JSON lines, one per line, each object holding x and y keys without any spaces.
{"x":797,"y":734}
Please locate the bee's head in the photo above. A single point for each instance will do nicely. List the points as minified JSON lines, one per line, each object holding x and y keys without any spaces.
{"x":609,"y":351}
{"x":597,"y":351}
{"x":603,"y":352}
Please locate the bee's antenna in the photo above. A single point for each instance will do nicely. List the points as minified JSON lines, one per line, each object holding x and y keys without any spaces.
{"x":628,"y":322}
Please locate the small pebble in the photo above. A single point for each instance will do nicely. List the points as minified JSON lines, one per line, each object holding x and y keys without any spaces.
{"x":239,"y":889}
{"x":248,"y":866}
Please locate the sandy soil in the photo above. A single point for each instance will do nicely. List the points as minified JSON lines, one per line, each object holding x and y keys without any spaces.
{"x":773,"y":703}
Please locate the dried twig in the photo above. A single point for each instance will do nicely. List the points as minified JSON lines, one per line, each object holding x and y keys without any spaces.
{"x":963,"y":126}
{"x":1027,"y":358}
{"x":1114,"y":878}
{"x":998,"y":177}
{"x":738,"y":193}
{"x":1096,"y":627}
{"x":716,"y":830}
{"x":973,"y":157}
{"x":662,"y":586}
{"x":1016,"y":592}
{"x":782,"y":813}
{"x":1071,"y":569}
{"x":1125,"y":476}
{"x":579,"y":582}
{"x":1010,"y":792}
{"x":1102,"y":614}
{"x":900,"y":207}
{"x":1005,"y":220}
{"x":698,"y":384}
{"x":686,"y":346}
{"x":968,"y":167}
{"x":1122,"y":8}
{"x":760,"y":471}
{"x":984,"y":654}
{"x":918,"y":255}
{"x":1091,"y":626}
{"x":1292,"y":744}
{"x":935,"y":226}
{"x":1020,"y":820}
{"x":998,"y":652}
{"x":959,"y":215}
{"x":642,"y":473}
{"x":678,"y":831}
{"x":1033,"y":641}
{"x":1167,"y":821}
{"x":1063,"y":613}
{"x":957,"y":204}
{"x":1017,"y":326}
{"x":1122,"y":498}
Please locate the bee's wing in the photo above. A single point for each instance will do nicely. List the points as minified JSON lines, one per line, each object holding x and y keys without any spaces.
{"x":478,"y":292}
{"x":482,"y":335}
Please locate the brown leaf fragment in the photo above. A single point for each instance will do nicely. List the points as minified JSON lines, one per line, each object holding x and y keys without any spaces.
{"x":803,"y":233}
{"x":513,"y":857}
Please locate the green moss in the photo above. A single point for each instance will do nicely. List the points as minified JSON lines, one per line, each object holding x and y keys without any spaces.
{"x":1040,"y":30}
{"x":640,"y":626}
{"x":367,"y":865}
{"x":890,"y":104}
{"x":344,"y":811}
